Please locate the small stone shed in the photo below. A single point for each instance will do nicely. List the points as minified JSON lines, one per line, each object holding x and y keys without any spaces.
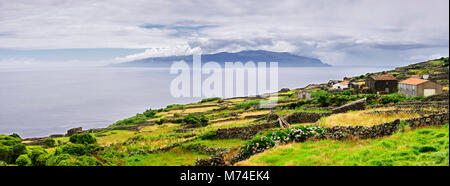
{"x":419,"y":87}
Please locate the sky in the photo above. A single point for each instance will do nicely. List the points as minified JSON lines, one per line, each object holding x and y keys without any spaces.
{"x":338,"y":32}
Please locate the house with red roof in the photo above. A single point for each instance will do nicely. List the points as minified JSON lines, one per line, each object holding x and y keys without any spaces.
{"x":419,"y":87}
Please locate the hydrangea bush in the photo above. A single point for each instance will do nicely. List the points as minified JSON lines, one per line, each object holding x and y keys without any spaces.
{"x":262,"y":142}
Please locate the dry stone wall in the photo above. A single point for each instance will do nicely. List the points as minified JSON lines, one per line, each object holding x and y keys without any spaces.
{"x":305,"y":117}
{"x":385,"y":129}
{"x":356,"y":105}
{"x":245,"y":132}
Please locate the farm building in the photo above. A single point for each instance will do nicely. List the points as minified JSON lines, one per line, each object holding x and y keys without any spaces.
{"x":341,"y":85}
{"x":382,"y":84}
{"x":419,"y":87}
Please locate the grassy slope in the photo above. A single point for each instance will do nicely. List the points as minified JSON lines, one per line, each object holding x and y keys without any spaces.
{"x":427,"y":146}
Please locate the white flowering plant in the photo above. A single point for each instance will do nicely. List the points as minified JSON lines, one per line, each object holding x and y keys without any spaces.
{"x":262,"y":142}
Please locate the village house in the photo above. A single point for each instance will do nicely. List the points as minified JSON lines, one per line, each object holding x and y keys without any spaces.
{"x":419,"y":87}
{"x":341,"y":85}
{"x":382,"y":84}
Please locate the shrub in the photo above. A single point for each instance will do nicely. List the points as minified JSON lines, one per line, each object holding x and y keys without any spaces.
{"x":194,"y":120}
{"x":23,"y":160}
{"x":321,"y":97}
{"x":5,"y":153}
{"x":347,"y":92}
{"x":49,"y":142}
{"x":150,"y":113}
{"x":210,"y":99}
{"x":72,"y":149}
{"x":391,"y":98}
{"x":139,"y":118}
{"x":160,"y":121}
{"x":261,"y":143}
{"x":246,"y":105}
{"x":38,"y":157}
{"x":15,"y":135}
{"x":18,"y":149}
{"x":83,"y":139}
{"x":208,"y":135}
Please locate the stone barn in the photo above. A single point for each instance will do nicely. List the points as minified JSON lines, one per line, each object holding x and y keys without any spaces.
{"x":419,"y":87}
{"x":382,"y":84}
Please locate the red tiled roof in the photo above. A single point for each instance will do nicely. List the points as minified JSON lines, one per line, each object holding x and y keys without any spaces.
{"x":343,"y":83}
{"x":413,"y":81}
{"x":383,"y":77}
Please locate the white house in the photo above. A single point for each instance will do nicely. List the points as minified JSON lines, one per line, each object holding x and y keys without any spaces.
{"x":341,"y":85}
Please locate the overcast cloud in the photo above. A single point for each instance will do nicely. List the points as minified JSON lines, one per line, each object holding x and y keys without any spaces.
{"x":339,"y":32}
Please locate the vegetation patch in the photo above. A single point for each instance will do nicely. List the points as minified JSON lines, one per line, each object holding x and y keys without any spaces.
{"x":412,"y":148}
{"x":361,"y":118}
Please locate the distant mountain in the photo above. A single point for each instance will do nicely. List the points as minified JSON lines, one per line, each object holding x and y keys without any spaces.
{"x":284,"y":59}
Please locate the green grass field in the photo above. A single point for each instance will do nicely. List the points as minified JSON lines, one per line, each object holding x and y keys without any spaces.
{"x":421,"y":147}
{"x":173,"y":157}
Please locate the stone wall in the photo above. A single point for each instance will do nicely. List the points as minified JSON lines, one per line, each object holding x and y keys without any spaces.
{"x":214,"y":160}
{"x":385,"y":129}
{"x":362,"y":132}
{"x":356,"y":105}
{"x":245,"y":132}
{"x":305,"y":117}
{"x":437,"y":97}
{"x":442,"y":104}
{"x":422,"y":104}
{"x":429,"y":120}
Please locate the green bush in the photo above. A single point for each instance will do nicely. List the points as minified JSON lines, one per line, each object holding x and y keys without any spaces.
{"x":208,"y":135}
{"x":49,"y":142}
{"x":150,"y":113}
{"x":83,"y":139}
{"x":246,"y":105}
{"x":297,"y":104}
{"x":194,"y":120}
{"x":392,"y":98}
{"x":260,"y":143}
{"x":18,"y":149}
{"x":5,"y":153}
{"x":15,"y":135}
{"x":69,"y":160}
{"x":160,"y":121}
{"x":322,"y":97}
{"x":210,"y":99}
{"x":23,"y":160}
{"x":38,"y":157}
{"x":72,"y":149}
{"x":139,"y":118}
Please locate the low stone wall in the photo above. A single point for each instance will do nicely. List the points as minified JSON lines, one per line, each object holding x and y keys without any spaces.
{"x":444,"y":104}
{"x":385,"y":129}
{"x":362,"y":132}
{"x":356,"y":105}
{"x":429,"y":120}
{"x":214,"y":160}
{"x":305,"y":117}
{"x":245,"y":132}
{"x":438,"y":97}
{"x":255,"y":116}
{"x":421,"y":104}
